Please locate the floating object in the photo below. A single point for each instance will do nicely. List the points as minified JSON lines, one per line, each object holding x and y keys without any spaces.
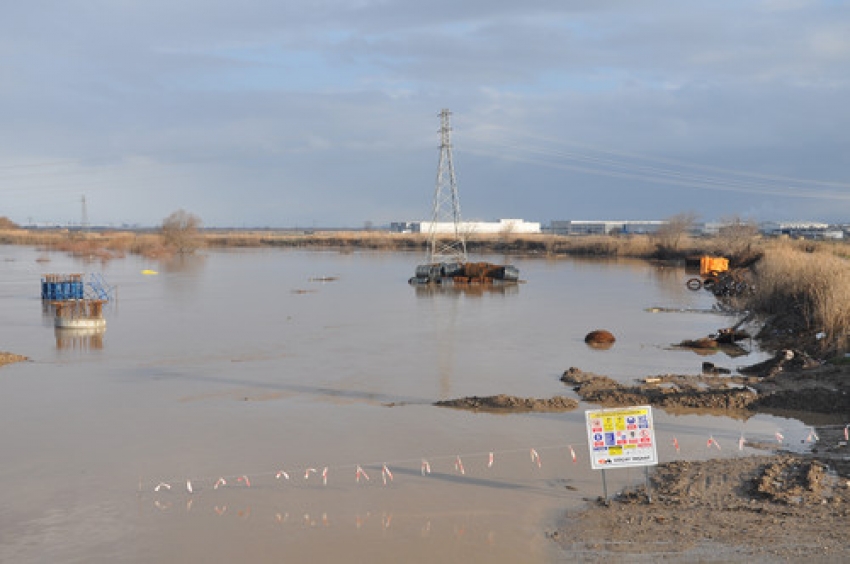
{"x":147,"y":272}
{"x":463,"y":275}
{"x":600,"y":339}
{"x":62,"y":287}
{"x":599,"y":336}
{"x":79,"y":314}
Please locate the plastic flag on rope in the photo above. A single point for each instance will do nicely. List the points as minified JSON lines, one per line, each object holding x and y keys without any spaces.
{"x":359,"y":473}
{"x":676,"y":444}
{"x":220,"y":510}
{"x":535,"y":458}
{"x":572,"y":454}
{"x":325,"y":476}
{"x":813,"y":436}
{"x":779,"y":437}
{"x":490,"y":461}
{"x":309,"y":471}
{"x":281,"y":473}
{"x":385,"y":473}
{"x":712,"y":441}
{"x":459,"y":465}
{"x":741,"y":443}
{"x":220,"y":482}
{"x":244,"y":479}
{"x":426,"y":468}
{"x":847,"y":433}
{"x":188,"y":486}
{"x":162,"y":485}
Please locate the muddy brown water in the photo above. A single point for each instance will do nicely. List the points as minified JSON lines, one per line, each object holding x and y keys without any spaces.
{"x":243,"y":364}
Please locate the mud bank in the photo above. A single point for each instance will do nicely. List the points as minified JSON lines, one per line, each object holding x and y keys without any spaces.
{"x":9,"y":358}
{"x":755,"y":508}
{"x":823,"y":389}
{"x":510,"y":404}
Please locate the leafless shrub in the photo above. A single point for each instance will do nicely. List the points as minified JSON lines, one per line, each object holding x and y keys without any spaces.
{"x":180,"y":231}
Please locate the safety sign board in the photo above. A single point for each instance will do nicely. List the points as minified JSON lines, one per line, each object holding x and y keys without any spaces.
{"x":621,"y":437}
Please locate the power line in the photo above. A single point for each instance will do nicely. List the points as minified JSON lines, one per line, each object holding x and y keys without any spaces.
{"x":619,"y":164}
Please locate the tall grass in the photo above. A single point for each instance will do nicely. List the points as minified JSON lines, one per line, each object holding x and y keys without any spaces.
{"x":806,"y":296}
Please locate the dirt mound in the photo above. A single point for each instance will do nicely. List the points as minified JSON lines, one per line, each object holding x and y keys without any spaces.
{"x":507,"y":403}
{"x":794,"y":482}
{"x":765,"y":507}
{"x":670,"y":391}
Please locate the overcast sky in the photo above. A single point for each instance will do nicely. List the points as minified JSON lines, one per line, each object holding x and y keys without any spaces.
{"x":318,"y":113}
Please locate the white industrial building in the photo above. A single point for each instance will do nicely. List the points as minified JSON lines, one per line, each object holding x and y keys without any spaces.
{"x":466,"y":228}
{"x":605,"y":227}
{"x":802,"y":229}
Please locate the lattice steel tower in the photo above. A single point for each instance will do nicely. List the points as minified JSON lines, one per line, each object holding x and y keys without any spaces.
{"x":451,"y":247}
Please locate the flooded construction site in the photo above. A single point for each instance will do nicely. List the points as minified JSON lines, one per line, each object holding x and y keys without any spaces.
{"x":268,"y":405}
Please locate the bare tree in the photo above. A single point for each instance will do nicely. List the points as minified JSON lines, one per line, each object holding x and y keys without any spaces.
{"x":736,"y":236}
{"x":6,"y":223}
{"x":670,"y":236}
{"x":180,"y":231}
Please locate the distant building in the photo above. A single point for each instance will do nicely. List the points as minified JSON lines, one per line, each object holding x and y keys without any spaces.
{"x":802,"y":229}
{"x":501,"y":227}
{"x":605,"y":227}
{"x":404,"y":227}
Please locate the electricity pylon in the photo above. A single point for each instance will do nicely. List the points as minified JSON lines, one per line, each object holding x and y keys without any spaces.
{"x":451,"y":248}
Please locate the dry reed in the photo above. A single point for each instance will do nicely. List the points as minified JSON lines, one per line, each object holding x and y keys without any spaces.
{"x":806,"y":294}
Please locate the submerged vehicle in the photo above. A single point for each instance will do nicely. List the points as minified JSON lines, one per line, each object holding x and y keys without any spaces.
{"x":465,"y":273}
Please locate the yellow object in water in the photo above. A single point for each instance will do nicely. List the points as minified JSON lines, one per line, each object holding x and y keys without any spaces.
{"x":149,"y":272}
{"x":712,"y":265}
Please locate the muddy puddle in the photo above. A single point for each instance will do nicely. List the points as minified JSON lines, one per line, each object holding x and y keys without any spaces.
{"x":243,"y":366}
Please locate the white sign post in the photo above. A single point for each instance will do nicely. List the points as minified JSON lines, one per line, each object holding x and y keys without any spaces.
{"x":621,"y":437}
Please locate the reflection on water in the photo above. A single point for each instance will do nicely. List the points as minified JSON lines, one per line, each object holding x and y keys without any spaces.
{"x":466,"y":290}
{"x":79,"y":339}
